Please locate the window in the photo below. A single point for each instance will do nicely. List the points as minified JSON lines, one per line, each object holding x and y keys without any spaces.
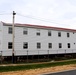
{"x":60,"y":45}
{"x":25,"y":45}
{"x":49,"y":33}
{"x":59,"y":34}
{"x":68,"y":35}
{"x":49,"y":45}
{"x":10,"y":30}
{"x":73,"y":32}
{"x":9,"y":45}
{"x":38,"y":33}
{"x":68,"y":45}
{"x":38,"y":45}
{"x":25,"y":31}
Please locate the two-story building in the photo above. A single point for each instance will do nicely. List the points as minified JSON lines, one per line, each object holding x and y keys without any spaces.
{"x":36,"y":40}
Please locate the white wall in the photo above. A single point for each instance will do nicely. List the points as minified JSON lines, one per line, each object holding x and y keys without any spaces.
{"x":32,"y":39}
{"x":1,"y":35}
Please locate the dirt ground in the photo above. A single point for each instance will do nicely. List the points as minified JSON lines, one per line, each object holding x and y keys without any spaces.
{"x":40,"y":71}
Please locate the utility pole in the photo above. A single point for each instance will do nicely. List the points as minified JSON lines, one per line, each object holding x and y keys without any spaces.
{"x":13,"y":29}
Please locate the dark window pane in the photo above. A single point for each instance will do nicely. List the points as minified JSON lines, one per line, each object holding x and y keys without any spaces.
{"x":38,"y":45}
{"x":49,"y":33}
{"x":59,"y":34}
{"x":9,"y":45}
{"x":73,"y":32}
{"x":25,"y":45}
{"x":68,"y":45}
{"x":38,"y":33}
{"x":10,"y":30}
{"x":60,"y":45}
{"x":25,"y":32}
{"x":50,"y":45}
{"x":68,"y":35}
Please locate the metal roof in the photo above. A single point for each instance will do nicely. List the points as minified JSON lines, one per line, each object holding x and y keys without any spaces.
{"x":39,"y":26}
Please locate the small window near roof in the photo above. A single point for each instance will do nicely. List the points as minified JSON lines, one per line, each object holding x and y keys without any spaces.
{"x":25,"y":31}
{"x":38,"y":32}
{"x":10,"y":30}
{"x":73,"y":32}
{"x":49,"y":33}
{"x":59,"y":34}
{"x":68,"y":35}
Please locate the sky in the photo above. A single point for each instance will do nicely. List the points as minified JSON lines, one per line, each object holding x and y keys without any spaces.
{"x":56,"y":13}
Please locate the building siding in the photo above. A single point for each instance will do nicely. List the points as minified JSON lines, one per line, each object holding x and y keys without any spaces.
{"x":32,"y":40}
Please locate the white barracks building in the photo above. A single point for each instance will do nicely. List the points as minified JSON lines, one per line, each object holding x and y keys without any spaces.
{"x":35,"y":39}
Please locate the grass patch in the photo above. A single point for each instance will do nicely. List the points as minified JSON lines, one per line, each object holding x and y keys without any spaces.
{"x":35,"y":66}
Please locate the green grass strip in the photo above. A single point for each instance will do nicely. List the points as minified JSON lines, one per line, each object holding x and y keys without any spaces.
{"x":34,"y":66}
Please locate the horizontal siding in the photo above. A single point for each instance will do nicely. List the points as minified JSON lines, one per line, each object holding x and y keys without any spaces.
{"x":32,"y":39}
{"x":36,"y":52}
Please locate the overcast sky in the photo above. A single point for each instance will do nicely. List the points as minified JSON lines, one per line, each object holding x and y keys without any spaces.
{"x":59,"y":13}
